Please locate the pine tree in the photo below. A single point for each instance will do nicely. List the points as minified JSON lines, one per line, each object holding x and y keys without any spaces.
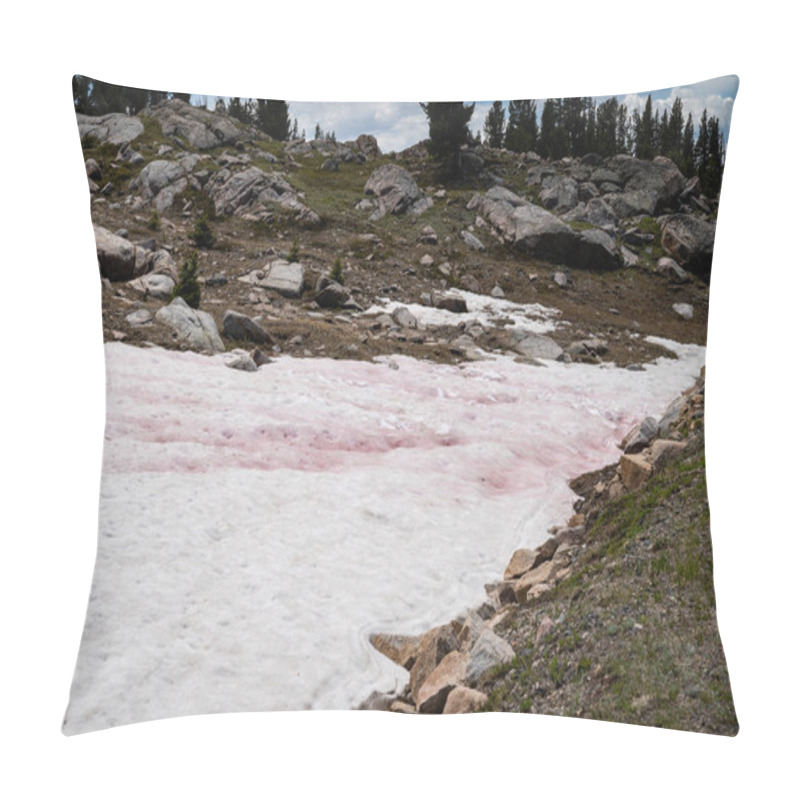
{"x":494,"y":125}
{"x":448,"y":125}
{"x":202,"y":235}
{"x":687,"y":148}
{"x":522,"y":130}
{"x":606,"y":127}
{"x":645,"y":131}
{"x":547,"y":137}
{"x":188,"y":286}
{"x":674,"y":149}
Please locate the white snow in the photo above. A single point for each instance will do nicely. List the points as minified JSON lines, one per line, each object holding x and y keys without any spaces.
{"x":255,"y":528}
{"x":488,"y":311}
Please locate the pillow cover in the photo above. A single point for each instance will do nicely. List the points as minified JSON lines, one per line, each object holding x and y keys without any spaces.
{"x":400,"y":424}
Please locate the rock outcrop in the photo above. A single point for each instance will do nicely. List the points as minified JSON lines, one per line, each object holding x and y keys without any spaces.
{"x":256,"y":195}
{"x":397,"y":192}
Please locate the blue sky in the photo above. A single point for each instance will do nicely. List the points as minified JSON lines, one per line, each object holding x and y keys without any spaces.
{"x":400,"y":125}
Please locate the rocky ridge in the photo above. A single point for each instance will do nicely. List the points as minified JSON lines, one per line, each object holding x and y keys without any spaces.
{"x":573,"y":235}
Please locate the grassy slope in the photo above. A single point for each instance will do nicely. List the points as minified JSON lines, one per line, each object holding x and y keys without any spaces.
{"x":636,"y":637}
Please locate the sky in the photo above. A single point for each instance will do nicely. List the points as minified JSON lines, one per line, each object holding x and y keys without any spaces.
{"x":400,"y":125}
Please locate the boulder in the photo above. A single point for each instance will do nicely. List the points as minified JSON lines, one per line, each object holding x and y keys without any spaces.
{"x":664,"y":452}
{"x":434,"y":646}
{"x":634,"y":470}
{"x":240,"y":359}
{"x":640,"y":436}
{"x":194,"y":328}
{"x":112,"y":128}
{"x":201,"y":128}
{"x":690,"y":241}
{"x":595,"y":211}
{"x":238,"y":326}
{"x":255,"y":195}
{"x":397,"y":647}
{"x":396,"y":190}
{"x":463,"y":700}
{"x":153,"y":285}
{"x":332,"y":295}
{"x":161,"y":181}
{"x":559,"y":193}
{"x":684,"y":310}
{"x":116,"y":256}
{"x":536,"y":345}
{"x":404,"y":318}
{"x":450,"y":672}
{"x":538,"y":575}
{"x":652,"y":185}
{"x":543,"y":234}
{"x":286,"y":278}
{"x":451,"y":302}
{"x":669,"y":267}
{"x":488,"y":652}
{"x":93,"y":170}
{"x":368,"y":145}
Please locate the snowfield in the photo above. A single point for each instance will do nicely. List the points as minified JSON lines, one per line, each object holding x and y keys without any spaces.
{"x":255,"y":528}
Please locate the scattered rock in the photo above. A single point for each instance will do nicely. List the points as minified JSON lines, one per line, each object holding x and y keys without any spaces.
{"x":684,"y":310}
{"x":634,"y":470}
{"x":238,"y":326}
{"x":639,"y":437}
{"x":240,"y":359}
{"x":690,"y":241}
{"x":396,"y":190}
{"x":488,"y":652}
{"x":464,"y":700}
{"x":473,"y":242}
{"x":193,"y":328}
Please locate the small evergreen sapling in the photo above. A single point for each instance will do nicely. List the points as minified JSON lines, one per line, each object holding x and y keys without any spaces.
{"x":337,"y":273}
{"x":202,"y":235}
{"x":188,"y":286}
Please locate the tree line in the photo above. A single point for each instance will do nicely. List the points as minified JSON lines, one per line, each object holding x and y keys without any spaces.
{"x":98,"y":98}
{"x":270,"y":116}
{"x":575,"y":126}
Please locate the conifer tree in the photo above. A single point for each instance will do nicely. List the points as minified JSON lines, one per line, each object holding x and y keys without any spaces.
{"x":188,"y":287}
{"x":522,"y":130}
{"x":645,"y":131}
{"x":687,"y":148}
{"x":448,"y":125}
{"x":494,"y":125}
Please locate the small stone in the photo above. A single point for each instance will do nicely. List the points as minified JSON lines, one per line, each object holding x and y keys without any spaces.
{"x":498,"y":292}
{"x":463,"y":700}
{"x":635,"y":470}
{"x":684,"y":310}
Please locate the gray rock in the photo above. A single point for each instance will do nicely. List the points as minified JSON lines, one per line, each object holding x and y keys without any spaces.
{"x":428,"y":236}
{"x":640,"y":436}
{"x":473,"y":242}
{"x":488,"y":652}
{"x":669,"y":267}
{"x":194,"y":328}
{"x":161,"y":181}
{"x":112,"y":128}
{"x":368,"y":145}
{"x":659,"y":180}
{"x":535,"y":345}
{"x":452,"y":303}
{"x":153,"y":285}
{"x":690,"y":241}
{"x":201,"y":128}
{"x":140,"y":317}
{"x":116,"y":256}
{"x":559,"y":193}
{"x":685,"y":310}
{"x":93,"y":170}
{"x":254,"y":194}
{"x":498,"y":292}
{"x":332,"y":295}
{"x":396,"y":190}
{"x":240,"y":359}
{"x":596,"y":212}
{"x":238,"y":326}
{"x":404,"y":318}
{"x":285,"y":278}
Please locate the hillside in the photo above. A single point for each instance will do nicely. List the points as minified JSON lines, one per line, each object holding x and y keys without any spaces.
{"x":333,"y":250}
{"x":600,"y":253}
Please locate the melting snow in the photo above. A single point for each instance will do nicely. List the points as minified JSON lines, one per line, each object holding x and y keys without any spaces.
{"x":255,"y":528}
